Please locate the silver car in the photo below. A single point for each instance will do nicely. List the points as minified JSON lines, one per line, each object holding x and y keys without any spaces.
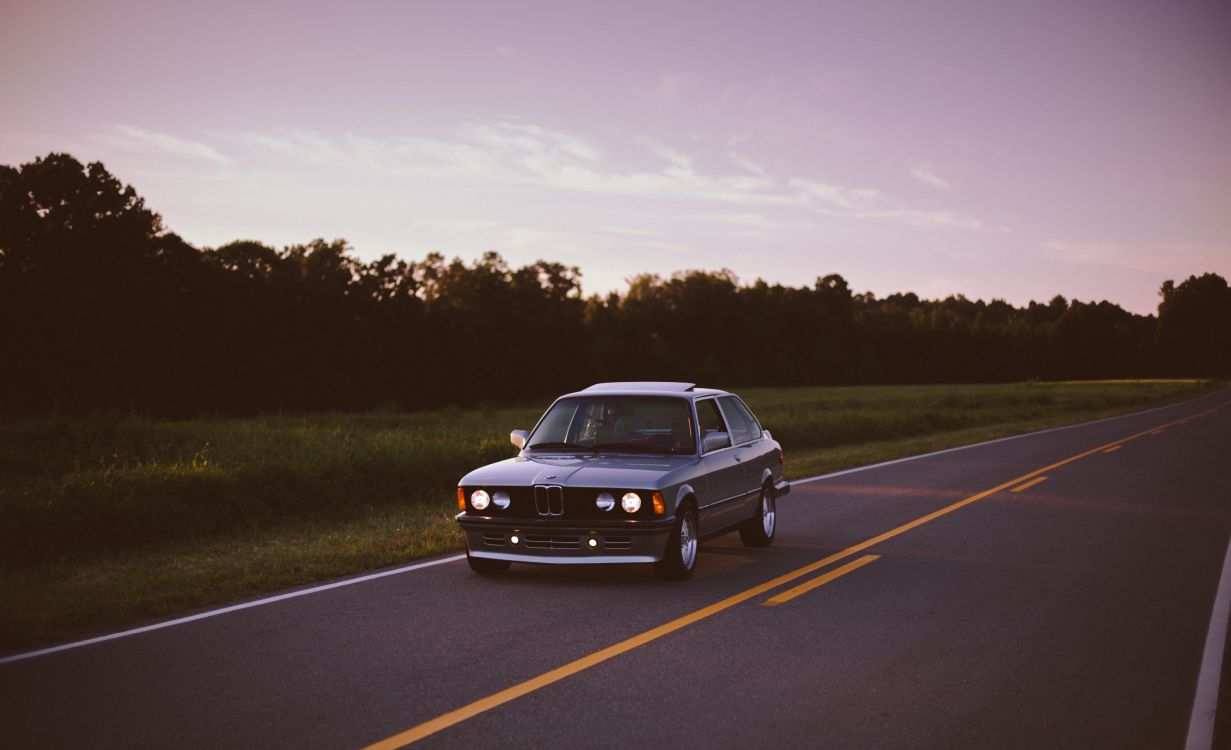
{"x":625,"y":473}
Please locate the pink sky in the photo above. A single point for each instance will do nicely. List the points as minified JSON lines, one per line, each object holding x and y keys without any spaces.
{"x":1013,"y":150}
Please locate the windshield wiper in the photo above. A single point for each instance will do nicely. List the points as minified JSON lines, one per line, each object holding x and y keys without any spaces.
{"x":561,"y":446}
{"x":638,"y":448}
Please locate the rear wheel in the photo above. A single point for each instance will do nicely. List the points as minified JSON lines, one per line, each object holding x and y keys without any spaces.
{"x":487,"y":567}
{"x":681,"y":556}
{"x":758,"y":531}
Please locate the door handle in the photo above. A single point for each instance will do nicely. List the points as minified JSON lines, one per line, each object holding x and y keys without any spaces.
{"x":737,"y":457}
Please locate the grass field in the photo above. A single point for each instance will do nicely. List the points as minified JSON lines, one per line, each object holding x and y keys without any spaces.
{"x":109,"y":519}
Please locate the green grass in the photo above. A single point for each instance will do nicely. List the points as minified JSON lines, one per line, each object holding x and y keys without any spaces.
{"x":110,"y":519}
{"x":828,"y":429}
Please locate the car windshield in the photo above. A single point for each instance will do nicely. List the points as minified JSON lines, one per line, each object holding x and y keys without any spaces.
{"x":617,"y":423}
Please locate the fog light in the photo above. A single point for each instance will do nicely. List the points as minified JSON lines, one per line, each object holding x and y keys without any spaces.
{"x":592,"y":542}
{"x":513,"y":539}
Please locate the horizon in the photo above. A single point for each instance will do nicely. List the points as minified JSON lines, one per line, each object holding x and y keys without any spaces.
{"x":994,"y":152}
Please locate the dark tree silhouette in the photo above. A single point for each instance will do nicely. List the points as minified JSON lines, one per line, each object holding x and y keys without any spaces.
{"x":1194,"y":325}
{"x":90,"y":288}
{"x":102,"y":307}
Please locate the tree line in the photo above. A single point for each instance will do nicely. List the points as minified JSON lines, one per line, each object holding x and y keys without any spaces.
{"x":102,"y":307}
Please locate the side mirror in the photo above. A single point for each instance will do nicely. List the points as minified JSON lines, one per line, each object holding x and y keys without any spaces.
{"x":715,"y":440}
{"x":518,"y":438}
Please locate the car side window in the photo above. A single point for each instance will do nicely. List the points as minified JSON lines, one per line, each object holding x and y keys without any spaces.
{"x":744,"y":426}
{"x":710,"y":418}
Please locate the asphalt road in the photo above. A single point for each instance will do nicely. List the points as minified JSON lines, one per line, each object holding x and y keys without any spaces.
{"x":1072,"y":613}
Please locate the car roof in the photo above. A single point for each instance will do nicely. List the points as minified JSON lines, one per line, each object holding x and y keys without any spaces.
{"x":646,"y":388}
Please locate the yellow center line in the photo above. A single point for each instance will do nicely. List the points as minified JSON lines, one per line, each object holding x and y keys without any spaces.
{"x":821,"y":580}
{"x":1031,"y":483}
{"x":471,"y":710}
{"x":1112,"y":449}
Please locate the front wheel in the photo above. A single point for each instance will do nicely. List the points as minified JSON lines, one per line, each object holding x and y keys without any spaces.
{"x":681,"y":556}
{"x":758,"y":531}
{"x":485,"y":566}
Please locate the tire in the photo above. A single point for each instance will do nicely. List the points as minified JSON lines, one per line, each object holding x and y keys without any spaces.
{"x":486,"y":567}
{"x":759,"y":530}
{"x":680,"y":558}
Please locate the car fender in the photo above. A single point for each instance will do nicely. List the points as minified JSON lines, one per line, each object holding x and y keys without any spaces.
{"x":684,"y":491}
{"x":766,"y":476}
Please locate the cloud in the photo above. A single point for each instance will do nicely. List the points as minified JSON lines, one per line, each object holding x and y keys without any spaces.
{"x":926,"y":175}
{"x":747,"y":164}
{"x":742,"y":161}
{"x":526,"y":139}
{"x":872,"y":204}
{"x":665,"y":247}
{"x":924,"y":219}
{"x":138,"y":140}
{"x":629,"y":231}
{"x":752,"y":220}
{"x":1177,"y":258}
{"x":454,"y":226}
{"x":518,"y":237}
{"x":837,"y":196}
{"x":512,"y":153}
{"x":671,"y":85}
{"x":308,"y":147}
{"x":666,"y":153}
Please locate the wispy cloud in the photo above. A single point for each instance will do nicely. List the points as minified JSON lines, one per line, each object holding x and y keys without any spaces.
{"x":518,"y":237}
{"x":1154,"y":258}
{"x":754,"y":225}
{"x":924,"y":219}
{"x":739,"y":160}
{"x":671,"y":85}
{"x":665,"y":247}
{"x":454,"y":226}
{"x":629,"y":231}
{"x":837,"y":196}
{"x":528,"y":139}
{"x":512,"y":152}
{"x":872,"y":204}
{"x":668,"y":154}
{"x":926,"y":174}
{"x":300,"y":146}
{"x":138,"y":140}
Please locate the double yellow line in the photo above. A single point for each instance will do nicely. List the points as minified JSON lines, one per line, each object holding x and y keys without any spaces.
{"x":482,"y":705}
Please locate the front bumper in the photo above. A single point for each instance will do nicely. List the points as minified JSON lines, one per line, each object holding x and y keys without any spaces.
{"x":561,"y":542}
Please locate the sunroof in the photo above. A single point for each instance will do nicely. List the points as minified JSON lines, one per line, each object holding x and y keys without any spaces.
{"x":643,"y":385}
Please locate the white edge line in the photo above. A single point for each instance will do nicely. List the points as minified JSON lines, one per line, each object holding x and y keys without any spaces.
{"x":1205,"y":703}
{"x":454,"y":558}
{"x":232,"y":608}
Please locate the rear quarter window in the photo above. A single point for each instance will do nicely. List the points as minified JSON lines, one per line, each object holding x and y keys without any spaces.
{"x":744,"y":426}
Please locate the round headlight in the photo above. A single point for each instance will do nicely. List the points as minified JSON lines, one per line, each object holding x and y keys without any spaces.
{"x":605,"y":501}
{"x":501,"y":499}
{"x":631,"y":502}
{"x":479,"y":499}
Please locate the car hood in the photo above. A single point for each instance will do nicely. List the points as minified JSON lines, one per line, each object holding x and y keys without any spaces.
{"x":600,"y":471}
